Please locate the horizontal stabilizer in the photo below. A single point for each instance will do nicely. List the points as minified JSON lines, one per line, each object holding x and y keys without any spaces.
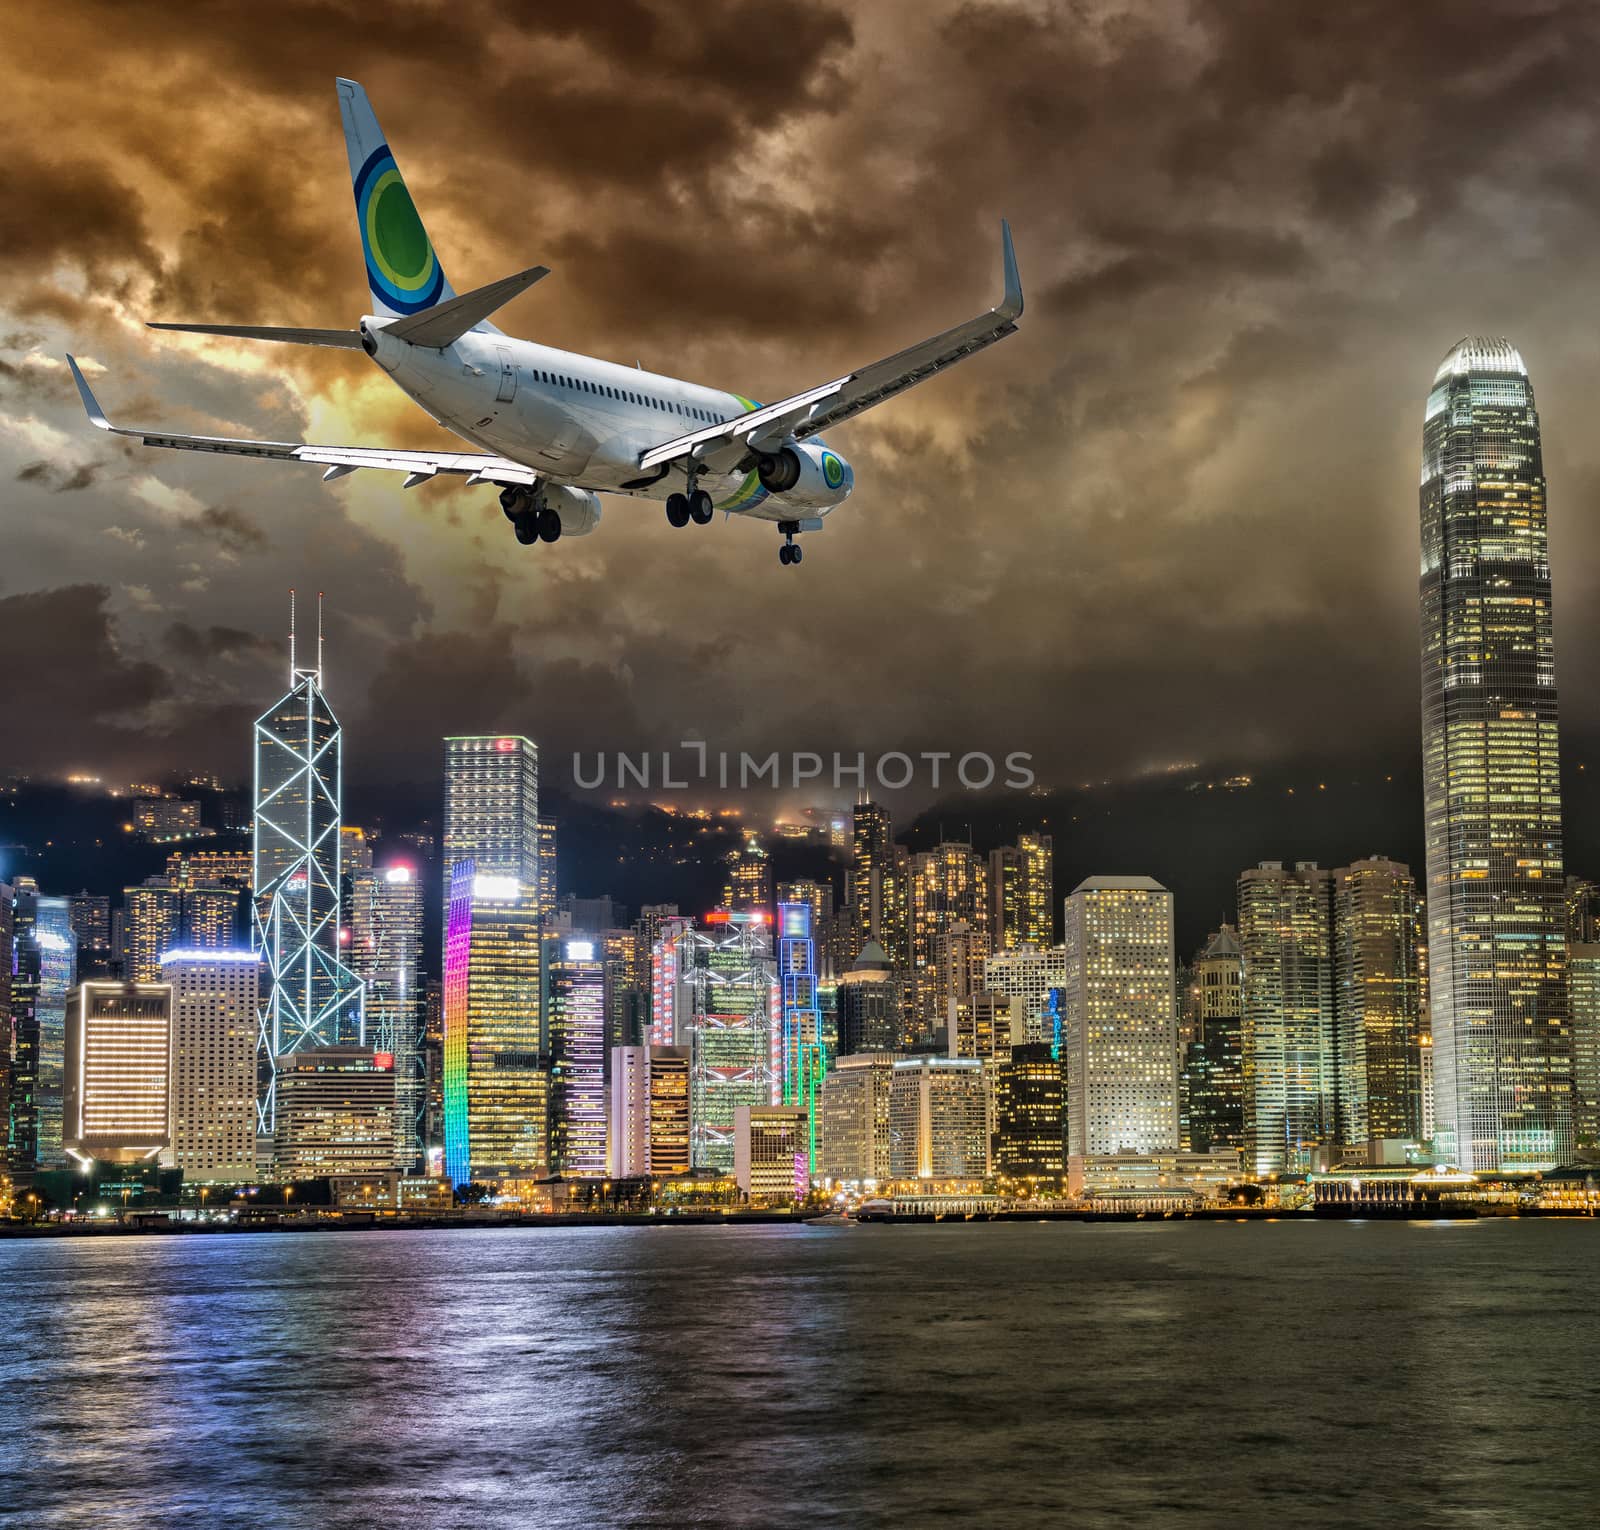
{"x":344,"y":339}
{"x":447,"y":322}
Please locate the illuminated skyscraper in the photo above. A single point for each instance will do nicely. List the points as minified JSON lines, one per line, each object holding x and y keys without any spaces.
{"x":732,"y":1023}
{"x":496,"y":1072}
{"x":1286,"y":937}
{"x":854,"y":1145}
{"x":938,"y":1118}
{"x":1026,"y":976}
{"x":869,"y":881}
{"x":1377,"y":1080}
{"x":804,"y":1059}
{"x":828,"y":933}
{"x":386,"y":953}
{"x":22,"y":957}
{"x":118,"y":1089}
{"x":491,"y":807}
{"x":649,"y":1126}
{"x":312,"y":999}
{"x":335,"y":1112}
{"x":869,"y":1004}
{"x":1213,"y":1065}
{"x":58,"y":974}
{"x":949,"y":886}
{"x":547,"y":868}
{"x":575,"y":1023}
{"x":91,"y":922}
{"x":1583,"y":991}
{"x":215,"y":998}
{"x":748,"y":888}
{"x":1022,"y":892}
{"x":771,"y":1152}
{"x":160,"y":916}
{"x":1502,"y":1044}
{"x":7,"y":958}
{"x":1121,"y":1040}
{"x":1030,"y":1118}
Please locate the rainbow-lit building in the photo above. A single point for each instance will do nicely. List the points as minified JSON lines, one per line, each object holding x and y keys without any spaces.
{"x":496,"y":1071}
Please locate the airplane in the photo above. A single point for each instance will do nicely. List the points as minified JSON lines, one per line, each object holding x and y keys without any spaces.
{"x":556,"y":429}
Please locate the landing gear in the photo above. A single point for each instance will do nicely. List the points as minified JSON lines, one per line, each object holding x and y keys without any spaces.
{"x":677,"y":510}
{"x":790,"y":551}
{"x":531,"y":518}
{"x":700,"y":510}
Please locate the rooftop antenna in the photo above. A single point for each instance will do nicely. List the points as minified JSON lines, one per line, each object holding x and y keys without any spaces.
{"x":291,"y":635}
{"x":319,"y":637}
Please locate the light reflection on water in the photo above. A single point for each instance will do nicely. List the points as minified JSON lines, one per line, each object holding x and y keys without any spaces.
{"x":1150,"y":1374}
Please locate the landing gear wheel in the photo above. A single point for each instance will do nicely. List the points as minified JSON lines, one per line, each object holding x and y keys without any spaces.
{"x":677,"y":510}
{"x":787,"y":553}
{"x":795,"y":553}
{"x":549,"y":525}
{"x":526,"y":525}
{"x":510,"y":502}
{"x":700,"y":507}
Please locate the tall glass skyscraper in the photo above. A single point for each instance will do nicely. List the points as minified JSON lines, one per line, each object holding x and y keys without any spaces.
{"x":312,"y":998}
{"x":386,"y":954}
{"x":1502,"y":1045}
{"x":491,"y":807}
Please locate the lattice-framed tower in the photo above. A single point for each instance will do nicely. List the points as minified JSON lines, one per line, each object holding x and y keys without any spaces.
{"x":733,"y":1025}
{"x":311,"y":998}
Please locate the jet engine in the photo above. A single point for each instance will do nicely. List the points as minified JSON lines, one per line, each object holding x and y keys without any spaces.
{"x":578,"y":508}
{"x":805,"y":473}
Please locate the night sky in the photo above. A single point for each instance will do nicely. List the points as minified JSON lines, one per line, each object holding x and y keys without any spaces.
{"x":1173,"y":519}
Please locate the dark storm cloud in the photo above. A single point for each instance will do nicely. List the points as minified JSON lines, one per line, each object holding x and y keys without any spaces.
{"x":62,"y":481}
{"x":1174,"y":517}
{"x":228,"y":643}
{"x":234,"y":529}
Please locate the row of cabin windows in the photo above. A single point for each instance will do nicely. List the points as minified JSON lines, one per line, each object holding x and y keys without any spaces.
{"x":624,"y":396}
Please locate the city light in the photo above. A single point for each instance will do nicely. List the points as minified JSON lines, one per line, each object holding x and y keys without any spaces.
{"x":489,"y":888}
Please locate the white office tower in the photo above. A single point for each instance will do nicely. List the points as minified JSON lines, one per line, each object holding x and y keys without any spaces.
{"x":215,"y":995}
{"x":1121,"y":1019}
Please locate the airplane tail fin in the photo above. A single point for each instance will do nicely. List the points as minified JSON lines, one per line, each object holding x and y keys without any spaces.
{"x":402,"y":269}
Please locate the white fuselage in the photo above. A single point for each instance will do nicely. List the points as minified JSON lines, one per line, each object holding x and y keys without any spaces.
{"x":583,"y":422}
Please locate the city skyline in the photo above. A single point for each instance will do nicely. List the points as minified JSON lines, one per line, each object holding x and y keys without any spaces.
{"x":1113,"y":939}
{"x":1270,"y":424}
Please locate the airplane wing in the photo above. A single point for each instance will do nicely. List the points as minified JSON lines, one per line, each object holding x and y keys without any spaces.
{"x":339,"y":460}
{"x":805,"y":414}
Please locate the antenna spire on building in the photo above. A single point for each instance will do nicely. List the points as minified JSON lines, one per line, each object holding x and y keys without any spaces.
{"x":291,"y":634}
{"x":319,"y":637}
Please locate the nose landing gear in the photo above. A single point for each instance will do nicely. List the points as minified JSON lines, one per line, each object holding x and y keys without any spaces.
{"x":790,"y":551}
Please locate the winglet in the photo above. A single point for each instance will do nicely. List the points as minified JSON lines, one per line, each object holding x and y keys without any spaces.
{"x":1011,"y":305}
{"x":91,"y":405}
